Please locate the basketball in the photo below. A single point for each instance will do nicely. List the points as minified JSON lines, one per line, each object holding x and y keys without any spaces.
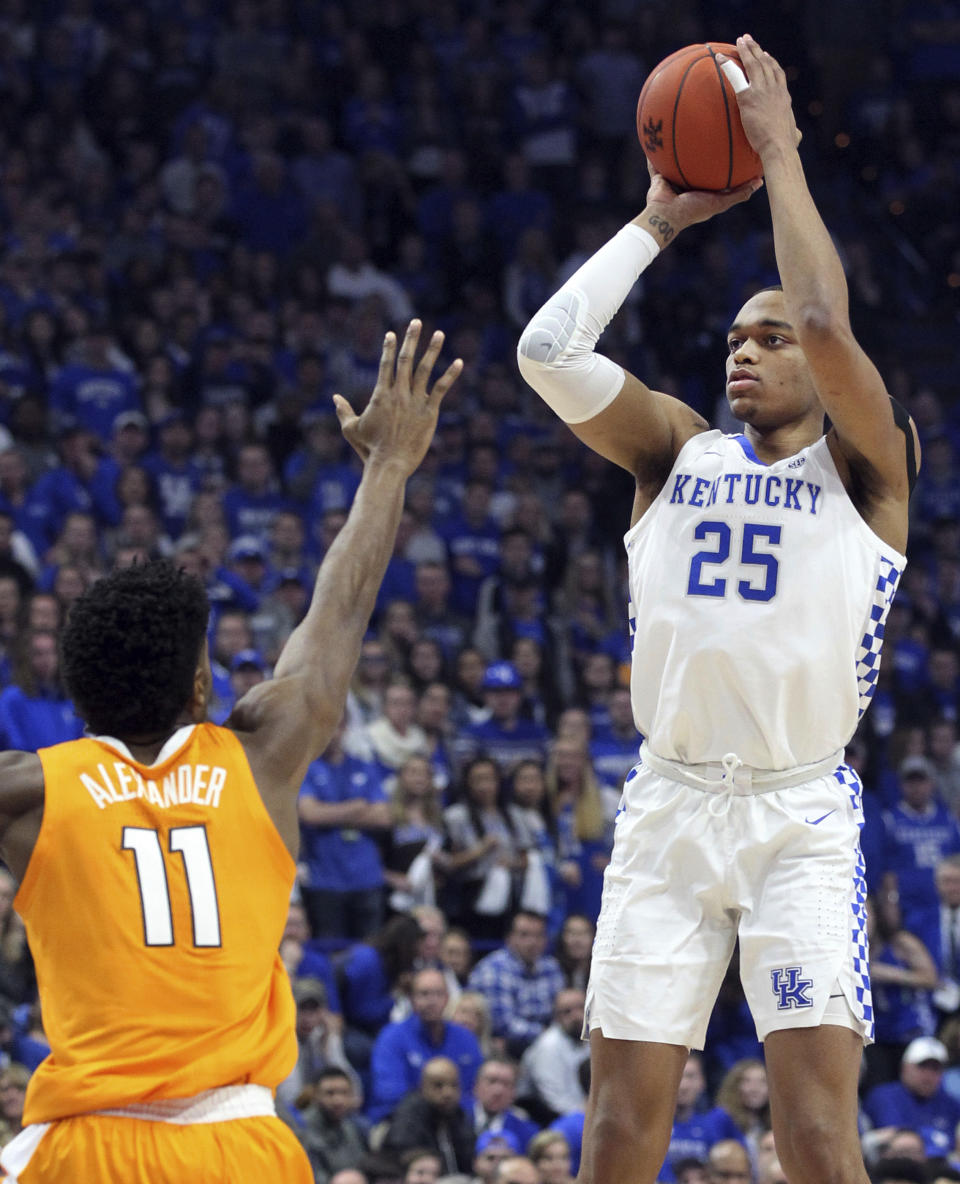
{"x":689,"y":124}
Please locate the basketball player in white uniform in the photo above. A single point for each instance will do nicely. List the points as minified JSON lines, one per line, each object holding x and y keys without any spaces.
{"x":761,"y":568}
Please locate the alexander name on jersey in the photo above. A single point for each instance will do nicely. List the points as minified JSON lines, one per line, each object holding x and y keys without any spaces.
{"x":746,"y":489}
{"x":199,"y":784}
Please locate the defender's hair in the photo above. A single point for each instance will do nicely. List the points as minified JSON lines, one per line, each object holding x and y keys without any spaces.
{"x":130,"y":648}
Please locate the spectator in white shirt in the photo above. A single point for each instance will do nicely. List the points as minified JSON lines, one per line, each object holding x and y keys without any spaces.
{"x":548,"y":1069}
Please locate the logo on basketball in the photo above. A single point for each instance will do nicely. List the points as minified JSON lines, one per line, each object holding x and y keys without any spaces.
{"x":653,"y":135}
{"x":790,"y":988}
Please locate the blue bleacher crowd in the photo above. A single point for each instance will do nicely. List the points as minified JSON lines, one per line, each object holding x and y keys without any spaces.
{"x":210,"y":212}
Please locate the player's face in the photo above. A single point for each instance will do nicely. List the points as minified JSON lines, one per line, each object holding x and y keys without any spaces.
{"x":768,"y":379}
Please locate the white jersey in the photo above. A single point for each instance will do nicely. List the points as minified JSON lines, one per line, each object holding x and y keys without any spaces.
{"x":758,"y":599}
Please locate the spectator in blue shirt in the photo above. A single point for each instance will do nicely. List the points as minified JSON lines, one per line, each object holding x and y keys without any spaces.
{"x":17,"y":500}
{"x":493,"y":1110}
{"x":918,"y":832}
{"x":77,"y":545}
{"x":918,"y":1100}
{"x":341,"y":802}
{"x":268,"y":210}
{"x":252,"y":504}
{"x":506,"y":736}
{"x":372,"y":976}
{"x":317,"y":475}
{"x":65,"y":488}
{"x":695,"y":1130}
{"x":247,"y":557}
{"x":93,"y":391}
{"x":247,"y":670}
{"x":128,"y":443}
{"x":231,"y":633}
{"x":616,"y":749}
{"x":303,"y":960}
{"x":34,"y":711}
{"x":227,"y":586}
{"x":436,"y":619}
{"x":519,"y":982}
{"x":571,"y":1125}
{"x":287,"y":550}
{"x":176,"y":477}
{"x":402,"y":1048}
{"x":472,"y":539}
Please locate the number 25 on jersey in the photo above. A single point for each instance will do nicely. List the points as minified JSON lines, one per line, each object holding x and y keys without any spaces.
{"x":757,"y":566}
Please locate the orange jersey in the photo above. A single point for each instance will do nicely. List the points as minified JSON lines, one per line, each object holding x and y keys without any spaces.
{"x":155,"y":901}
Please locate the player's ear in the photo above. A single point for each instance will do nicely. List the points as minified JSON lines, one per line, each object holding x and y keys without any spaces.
{"x":202,"y":685}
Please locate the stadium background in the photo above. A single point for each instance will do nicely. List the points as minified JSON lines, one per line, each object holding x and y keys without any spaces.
{"x":210,"y":214}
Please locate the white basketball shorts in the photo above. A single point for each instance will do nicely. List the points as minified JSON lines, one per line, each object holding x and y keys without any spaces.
{"x":701,"y":861}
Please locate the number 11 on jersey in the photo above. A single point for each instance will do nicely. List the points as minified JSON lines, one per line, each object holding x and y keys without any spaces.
{"x":190,"y":842}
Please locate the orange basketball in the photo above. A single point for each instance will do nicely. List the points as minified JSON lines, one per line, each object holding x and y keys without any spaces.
{"x":689,"y":124}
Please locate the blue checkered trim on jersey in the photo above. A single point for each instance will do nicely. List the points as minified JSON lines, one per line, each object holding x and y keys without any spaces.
{"x":868,"y":653}
{"x":858,"y":907}
{"x":631,"y":617}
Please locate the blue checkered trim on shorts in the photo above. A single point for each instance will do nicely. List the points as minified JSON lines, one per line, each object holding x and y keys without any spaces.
{"x":858,"y":926}
{"x":868,"y":652}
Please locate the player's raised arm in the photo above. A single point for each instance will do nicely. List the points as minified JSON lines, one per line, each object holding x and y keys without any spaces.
{"x":287,"y":722}
{"x":21,"y":805}
{"x":610,"y":410}
{"x":869,"y":428}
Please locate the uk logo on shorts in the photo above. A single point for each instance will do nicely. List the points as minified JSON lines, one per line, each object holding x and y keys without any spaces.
{"x":790,"y":988}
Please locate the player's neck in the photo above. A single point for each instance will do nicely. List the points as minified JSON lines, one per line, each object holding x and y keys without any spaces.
{"x":146,"y":747}
{"x":775,"y":444}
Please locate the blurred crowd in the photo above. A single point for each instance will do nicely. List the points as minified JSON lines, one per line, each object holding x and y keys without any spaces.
{"x":211,"y":211}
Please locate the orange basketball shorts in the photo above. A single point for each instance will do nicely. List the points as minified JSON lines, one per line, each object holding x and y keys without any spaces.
{"x":101,"y":1149}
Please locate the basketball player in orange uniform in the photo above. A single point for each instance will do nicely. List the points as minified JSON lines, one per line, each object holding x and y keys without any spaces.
{"x":156,"y":855}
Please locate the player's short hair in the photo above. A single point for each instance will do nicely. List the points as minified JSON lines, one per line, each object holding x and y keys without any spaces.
{"x":130,"y":647}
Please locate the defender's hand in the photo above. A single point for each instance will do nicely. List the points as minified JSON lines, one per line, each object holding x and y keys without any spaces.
{"x":398,"y":423}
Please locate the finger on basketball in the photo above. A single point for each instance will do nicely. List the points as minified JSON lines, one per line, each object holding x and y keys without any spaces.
{"x":766,"y":63}
{"x":744,"y":191}
{"x":750,"y":58}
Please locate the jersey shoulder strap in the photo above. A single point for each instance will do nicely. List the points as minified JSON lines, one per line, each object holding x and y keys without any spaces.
{"x":902,"y":420}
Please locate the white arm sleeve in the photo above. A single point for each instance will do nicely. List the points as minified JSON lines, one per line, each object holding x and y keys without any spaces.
{"x":557,"y":352}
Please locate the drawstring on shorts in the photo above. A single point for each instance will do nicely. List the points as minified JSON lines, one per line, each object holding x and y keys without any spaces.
{"x":720,"y":802}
